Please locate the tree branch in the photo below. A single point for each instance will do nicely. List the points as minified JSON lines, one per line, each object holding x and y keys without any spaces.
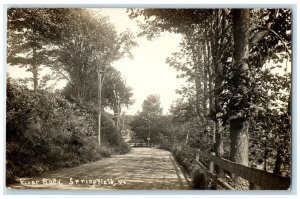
{"x":265,"y":31}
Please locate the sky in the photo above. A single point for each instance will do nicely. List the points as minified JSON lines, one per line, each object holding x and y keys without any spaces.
{"x":147,"y":73}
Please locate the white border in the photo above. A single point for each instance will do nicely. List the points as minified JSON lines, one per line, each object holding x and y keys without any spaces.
{"x":139,"y":3}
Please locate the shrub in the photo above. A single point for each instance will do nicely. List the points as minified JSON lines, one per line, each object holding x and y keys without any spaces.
{"x":44,"y":131}
{"x":112,"y":138}
{"x":200,"y":180}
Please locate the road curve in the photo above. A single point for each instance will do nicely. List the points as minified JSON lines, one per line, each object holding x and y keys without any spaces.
{"x":141,"y":169}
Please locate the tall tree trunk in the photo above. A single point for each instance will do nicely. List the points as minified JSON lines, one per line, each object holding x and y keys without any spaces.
{"x":210,"y":70}
{"x":117,"y":120}
{"x":34,"y":64}
{"x":99,"y":105}
{"x":214,"y":49}
{"x":116,"y":108}
{"x":205,"y":85}
{"x":218,"y":84}
{"x":239,"y":141}
{"x":123,"y":122}
{"x":278,"y":162}
{"x":198,"y":92}
{"x":239,"y":126}
{"x":219,"y":146}
{"x":197,"y":68}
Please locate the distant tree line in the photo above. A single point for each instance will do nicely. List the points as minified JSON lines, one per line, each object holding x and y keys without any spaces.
{"x":150,"y":125}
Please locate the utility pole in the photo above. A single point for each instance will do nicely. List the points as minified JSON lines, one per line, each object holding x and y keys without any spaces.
{"x":123,"y":120}
{"x":100,"y":83}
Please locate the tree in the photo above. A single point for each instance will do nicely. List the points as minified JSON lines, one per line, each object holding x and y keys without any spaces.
{"x":85,"y":48}
{"x":29,"y":33}
{"x":150,"y":123}
{"x":239,"y":125}
{"x":202,"y":49}
{"x":116,"y":93}
{"x":151,"y":107}
{"x":222,"y":57}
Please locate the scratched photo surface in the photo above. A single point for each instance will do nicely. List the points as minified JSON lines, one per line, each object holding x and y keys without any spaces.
{"x":148,"y":99}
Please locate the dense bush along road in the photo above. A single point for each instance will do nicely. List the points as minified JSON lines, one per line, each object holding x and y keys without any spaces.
{"x":142,"y":168}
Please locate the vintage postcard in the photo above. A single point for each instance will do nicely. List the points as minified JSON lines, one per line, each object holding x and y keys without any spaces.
{"x":148,"y":98}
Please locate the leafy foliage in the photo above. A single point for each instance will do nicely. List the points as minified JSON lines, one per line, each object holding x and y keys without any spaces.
{"x":150,"y":123}
{"x":75,"y":44}
{"x":45,"y":132}
{"x":29,"y":32}
{"x":219,"y":90}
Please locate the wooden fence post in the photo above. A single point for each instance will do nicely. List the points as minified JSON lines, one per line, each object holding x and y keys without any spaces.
{"x":200,"y":158}
{"x":197,"y":156}
{"x":211,"y":163}
{"x":253,"y":186}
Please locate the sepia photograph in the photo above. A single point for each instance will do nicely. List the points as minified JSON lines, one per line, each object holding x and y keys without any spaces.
{"x":148,"y":98}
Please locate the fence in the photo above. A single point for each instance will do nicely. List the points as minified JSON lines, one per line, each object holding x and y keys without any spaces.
{"x":260,"y":178}
{"x":138,"y":144}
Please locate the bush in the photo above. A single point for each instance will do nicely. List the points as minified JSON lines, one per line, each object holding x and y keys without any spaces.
{"x":111,"y":138}
{"x":44,"y":132}
{"x":199,"y":180}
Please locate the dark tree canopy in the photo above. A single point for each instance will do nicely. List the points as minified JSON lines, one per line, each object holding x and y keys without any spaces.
{"x":230,"y":59}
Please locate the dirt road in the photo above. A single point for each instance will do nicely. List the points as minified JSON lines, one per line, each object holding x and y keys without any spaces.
{"x":141,"y":169}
